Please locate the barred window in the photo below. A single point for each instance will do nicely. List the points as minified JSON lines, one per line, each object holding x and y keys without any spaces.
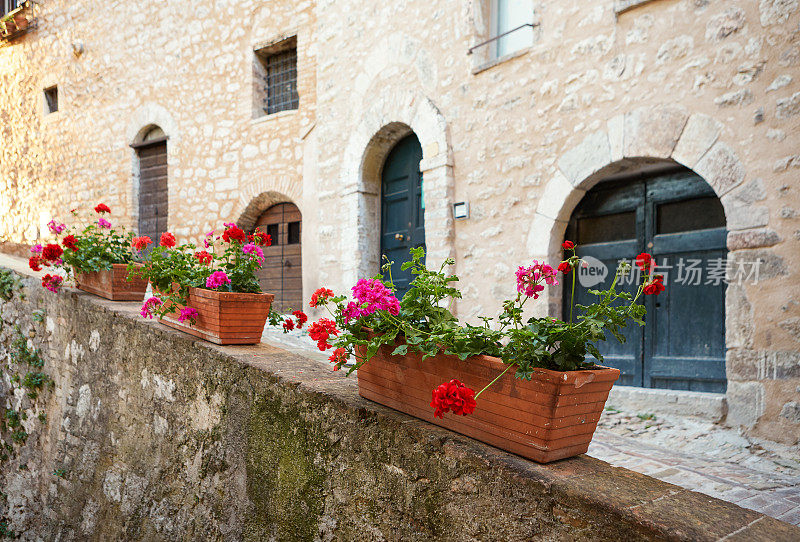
{"x":276,"y":78}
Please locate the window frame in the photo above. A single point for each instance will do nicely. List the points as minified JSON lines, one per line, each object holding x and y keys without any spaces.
{"x":268,"y":90}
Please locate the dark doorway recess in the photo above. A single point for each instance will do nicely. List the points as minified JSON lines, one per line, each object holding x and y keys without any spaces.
{"x":677,"y":218}
{"x":402,"y":208}
{"x":282,"y":272}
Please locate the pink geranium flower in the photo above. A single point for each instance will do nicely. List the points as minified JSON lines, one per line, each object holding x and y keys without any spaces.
{"x":251,"y":248}
{"x":217,"y":279}
{"x":371,"y":295}
{"x":103,"y":223}
{"x":188,"y":313}
{"x":149,"y":305}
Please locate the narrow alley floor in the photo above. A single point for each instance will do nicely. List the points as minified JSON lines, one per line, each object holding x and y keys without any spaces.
{"x":704,"y":457}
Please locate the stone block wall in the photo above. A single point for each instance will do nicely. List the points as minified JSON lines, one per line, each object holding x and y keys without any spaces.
{"x":608,"y":86}
{"x":140,"y":432}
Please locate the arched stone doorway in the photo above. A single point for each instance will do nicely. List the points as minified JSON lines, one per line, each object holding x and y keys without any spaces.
{"x":282,"y":271}
{"x":153,"y":193}
{"x":672,"y":213}
{"x":402,"y":209}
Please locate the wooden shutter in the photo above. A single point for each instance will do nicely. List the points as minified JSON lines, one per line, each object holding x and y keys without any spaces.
{"x":153,"y":196}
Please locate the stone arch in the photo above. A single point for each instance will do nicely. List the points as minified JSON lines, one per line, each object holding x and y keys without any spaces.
{"x":391,"y":116}
{"x":649,"y":137}
{"x":644,"y":138}
{"x":258,"y":204}
{"x":142,"y":121}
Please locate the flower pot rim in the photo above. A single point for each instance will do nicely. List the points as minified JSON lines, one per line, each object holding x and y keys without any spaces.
{"x":550,"y":374}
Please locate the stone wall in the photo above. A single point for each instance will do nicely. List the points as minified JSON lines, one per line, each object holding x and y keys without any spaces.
{"x":141,"y":433}
{"x":608,"y":86}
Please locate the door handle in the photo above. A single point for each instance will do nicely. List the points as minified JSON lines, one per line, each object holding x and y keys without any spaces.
{"x":398,"y":237}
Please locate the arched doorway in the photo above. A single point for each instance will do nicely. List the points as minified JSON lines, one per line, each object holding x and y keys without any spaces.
{"x":676,"y":216}
{"x":151,"y":153}
{"x":282,"y":272}
{"x":402,"y":208}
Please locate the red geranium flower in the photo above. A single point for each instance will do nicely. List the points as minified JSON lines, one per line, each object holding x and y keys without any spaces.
{"x":453,"y":396}
{"x":260,"y":238}
{"x":321,"y":330}
{"x":34,"y":262}
{"x":320,"y":296}
{"x":644,"y":261}
{"x":655,"y":286}
{"x":52,"y":282}
{"x":565,"y":267}
{"x":288,"y":324}
{"x":234,"y":232}
{"x":301,"y":318}
{"x":567,"y":245}
{"x":70,"y":242}
{"x":102,"y":208}
{"x":140,"y":243}
{"x":167,"y":240}
{"x":52,"y":252}
{"x":339,"y":357}
{"x":203,"y":257}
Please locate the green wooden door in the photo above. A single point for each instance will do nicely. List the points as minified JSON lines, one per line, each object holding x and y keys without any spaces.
{"x":679,"y":220}
{"x":402,"y":208}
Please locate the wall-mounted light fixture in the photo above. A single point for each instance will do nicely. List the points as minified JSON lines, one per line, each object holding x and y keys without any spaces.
{"x":461,"y":210}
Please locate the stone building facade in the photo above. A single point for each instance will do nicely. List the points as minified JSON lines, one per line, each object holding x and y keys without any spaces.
{"x":600,"y":89}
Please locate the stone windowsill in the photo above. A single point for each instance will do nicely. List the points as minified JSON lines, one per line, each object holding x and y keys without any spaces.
{"x":368,"y":457}
{"x":500,"y":60}
{"x":274,"y":116}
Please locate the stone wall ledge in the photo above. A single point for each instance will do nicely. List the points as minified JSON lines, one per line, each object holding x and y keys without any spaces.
{"x":298,"y":454}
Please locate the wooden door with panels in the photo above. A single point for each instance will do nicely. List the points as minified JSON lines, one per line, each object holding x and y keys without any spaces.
{"x":153,"y":185}
{"x":677,"y":218}
{"x":282,"y":272}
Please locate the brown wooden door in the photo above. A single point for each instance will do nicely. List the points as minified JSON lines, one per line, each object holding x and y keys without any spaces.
{"x":282,"y":272}
{"x":153,"y":201}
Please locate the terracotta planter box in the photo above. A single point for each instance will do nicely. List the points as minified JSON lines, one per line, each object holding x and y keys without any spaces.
{"x":552,"y":416}
{"x":112,"y":284}
{"x":224,"y":317}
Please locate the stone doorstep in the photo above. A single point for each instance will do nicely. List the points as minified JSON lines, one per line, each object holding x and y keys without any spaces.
{"x":695,"y":404}
{"x":583,"y":492}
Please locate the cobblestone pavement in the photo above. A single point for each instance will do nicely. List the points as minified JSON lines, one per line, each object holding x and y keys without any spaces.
{"x":694,"y":454}
{"x":704,"y":457}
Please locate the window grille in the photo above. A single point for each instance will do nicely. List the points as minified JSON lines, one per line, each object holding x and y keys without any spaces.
{"x":8,"y":5}
{"x":282,"y":81}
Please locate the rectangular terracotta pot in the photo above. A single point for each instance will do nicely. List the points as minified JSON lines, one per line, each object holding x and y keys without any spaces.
{"x":552,"y":416}
{"x":224,"y":317}
{"x":112,"y":284}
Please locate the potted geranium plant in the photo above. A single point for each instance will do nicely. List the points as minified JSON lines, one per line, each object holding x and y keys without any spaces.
{"x":213,"y":292}
{"x":97,"y":255}
{"x":414,"y":356}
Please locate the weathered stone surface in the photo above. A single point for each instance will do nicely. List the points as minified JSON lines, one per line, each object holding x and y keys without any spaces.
{"x":653,"y":132}
{"x":746,"y":364}
{"x":737,"y":97}
{"x":791,"y":411}
{"x":745,"y":403}
{"x":589,"y":156}
{"x":721,"y":168}
{"x":792,"y":327}
{"x":788,"y":107}
{"x":770,"y":265}
{"x":776,"y":11}
{"x":700,"y":133}
{"x":726,"y":23}
{"x":152,"y":435}
{"x":752,"y":239}
{"x":740,"y":327}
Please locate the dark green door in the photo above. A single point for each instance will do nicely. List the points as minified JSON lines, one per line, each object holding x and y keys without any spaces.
{"x":680,"y":221}
{"x":402,"y":208}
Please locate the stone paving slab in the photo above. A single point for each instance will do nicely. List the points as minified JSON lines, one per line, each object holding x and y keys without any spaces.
{"x":704,"y":457}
